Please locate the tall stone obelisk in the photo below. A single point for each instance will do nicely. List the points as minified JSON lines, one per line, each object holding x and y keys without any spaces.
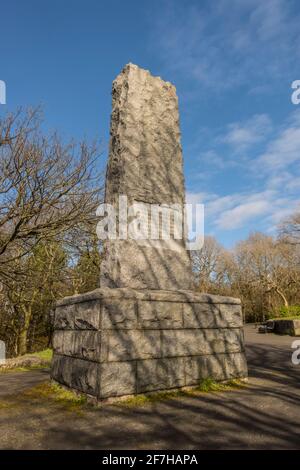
{"x":145,"y":165}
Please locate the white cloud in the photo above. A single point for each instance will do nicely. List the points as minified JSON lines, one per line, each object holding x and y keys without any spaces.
{"x":239,"y":136}
{"x":242,"y":135}
{"x":196,"y":198}
{"x":245,"y":210}
{"x":283,"y":151}
{"x":228,"y":42}
{"x":212,"y":159}
{"x":242,"y":214}
{"x":216,"y":204}
{"x":234,"y":211}
{"x":288,"y":181}
{"x":282,"y":212}
{"x":271,"y":173}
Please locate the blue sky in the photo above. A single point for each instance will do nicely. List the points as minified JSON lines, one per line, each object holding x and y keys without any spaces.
{"x":231,"y":61}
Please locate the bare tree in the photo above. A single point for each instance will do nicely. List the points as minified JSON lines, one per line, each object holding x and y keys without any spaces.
{"x":49,"y":191}
{"x":267,"y":273}
{"x":208,"y":264}
{"x":289,"y":230}
{"x":262,"y":270}
{"x":46,"y":188}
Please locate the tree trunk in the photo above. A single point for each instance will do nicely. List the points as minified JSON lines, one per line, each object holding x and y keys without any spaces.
{"x":22,"y":341}
{"x":286,"y":304}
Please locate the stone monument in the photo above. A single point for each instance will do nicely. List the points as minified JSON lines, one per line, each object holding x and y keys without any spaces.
{"x":144,"y":329}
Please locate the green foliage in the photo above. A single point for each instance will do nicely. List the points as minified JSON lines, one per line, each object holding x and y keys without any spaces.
{"x":46,"y":355}
{"x":85,"y":273}
{"x":289,"y":312}
{"x":22,"y":369}
{"x":53,"y":392}
{"x":206,"y":386}
{"x":47,"y":394}
{"x":210,"y":385}
{"x":52,"y":272}
{"x":58,"y":393}
{"x":153,"y":397}
{"x":269,"y":316}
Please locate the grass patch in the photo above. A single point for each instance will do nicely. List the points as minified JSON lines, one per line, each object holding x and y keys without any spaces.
{"x":143,"y":399}
{"x":45,"y":357}
{"x":206,"y":386}
{"x":46,"y":354}
{"x":285,"y":318}
{"x":22,"y":369}
{"x":55,"y":394}
{"x":46,"y":395}
{"x":7,"y":405}
{"x":210,"y":385}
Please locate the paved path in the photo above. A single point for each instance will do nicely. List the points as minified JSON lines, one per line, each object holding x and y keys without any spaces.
{"x":265,"y":415}
{"x":15,"y":383}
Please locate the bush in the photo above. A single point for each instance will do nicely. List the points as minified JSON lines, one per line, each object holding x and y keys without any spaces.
{"x":291,"y":311}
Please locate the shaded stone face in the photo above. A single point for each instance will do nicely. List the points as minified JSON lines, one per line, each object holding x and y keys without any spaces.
{"x":145,"y":164}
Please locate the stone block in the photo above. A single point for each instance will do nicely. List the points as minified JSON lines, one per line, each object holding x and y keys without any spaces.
{"x":126,"y":345}
{"x":117,"y":379}
{"x":58,"y":341}
{"x":87,"y":345}
{"x":64,"y":317}
{"x":155,"y":314}
{"x":296,"y":331}
{"x":285,"y":327}
{"x":84,"y":376}
{"x":83,"y":344}
{"x":61,"y":369}
{"x":119,"y":314}
{"x":192,"y":342}
{"x":87,"y":315}
{"x":160,"y":374}
{"x":69,"y":343}
{"x":217,"y":367}
{"x":64,"y":342}
{"x":211,"y":315}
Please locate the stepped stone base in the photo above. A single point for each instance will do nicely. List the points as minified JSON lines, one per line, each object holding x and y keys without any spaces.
{"x":117,"y":342}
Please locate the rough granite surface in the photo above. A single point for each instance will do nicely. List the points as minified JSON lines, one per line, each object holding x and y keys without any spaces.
{"x":145,"y":164}
{"x":144,"y":329}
